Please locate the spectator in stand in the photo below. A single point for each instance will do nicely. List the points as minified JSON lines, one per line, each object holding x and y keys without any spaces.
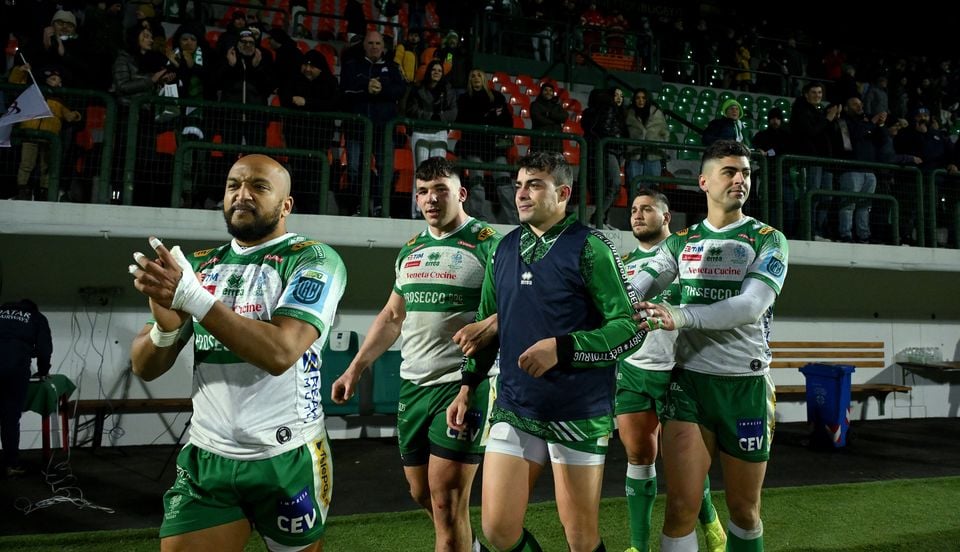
{"x":539,"y":15}
{"x":602,"y":119}
{"x":356,"y":19}
{"x":846,"y":87}
{"x":313,"y":89}
{"x":192,"y":60}
{"x":645,"y":121}
{"x":875,"y":99}
{"x":452,"y":55}
{"x":743,"y":77}
{"x":433,"y":99}
{"x":370,"y":86}
{"x":287,"y":57}
{"x":727,"y":126}
{"x":62,"y":47}
{"x":34,"y":152}
{"x":811,"y":126}
{"x":245,"y":77}
{"x":887,"y":184}
{"x":775,"y":139}
{"x":389,"y":11}
{"x":407,"y":54}
{"x":857,"y":138}
{"x":480,"y":105}
{"x":924,"y":139}
{"x":102,"y":30}
{"x":548,"y":114}
{"x":794,"y":65}
{"x":229,"y":38}
{"x":138,"y":72}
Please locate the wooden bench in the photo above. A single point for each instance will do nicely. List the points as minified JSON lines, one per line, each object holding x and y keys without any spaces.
{"x":860,"y":354}
{"x":101,"y":408}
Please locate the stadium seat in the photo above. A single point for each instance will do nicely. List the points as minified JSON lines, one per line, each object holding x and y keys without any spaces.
{"x":726,"y":95}
{"x":386,"y":382}
{"x":403,"y":166}
{"x":668,"y":91}
{"x":571,"y":151}
{"x":500,"y":77}
{"x":336,"y":357}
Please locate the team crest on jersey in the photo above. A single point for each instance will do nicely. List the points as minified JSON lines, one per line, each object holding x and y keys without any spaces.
{"x":309,"y":287}
{"x":486,"y":233}
{"x":740,"y":254}
{"x":413,"y":240}
{"x":456,"y":261}
{"x":775,"y":267}
{"x":683,"y":232}
{"x":475,"y":227}
{"x":203,"y":252}
{"x":766,"y":230}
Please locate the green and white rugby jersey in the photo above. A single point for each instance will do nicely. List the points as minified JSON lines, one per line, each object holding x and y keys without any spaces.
{"x":440,"y":280}
{"x":657,"y":352}
{"x":712,"y":265}
{"x":239,"y":410}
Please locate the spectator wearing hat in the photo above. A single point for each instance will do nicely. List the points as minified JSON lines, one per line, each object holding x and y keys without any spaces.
{"x":33,"y":152}
{"x":62,"y":47}
{"x":313,"y":89}
{"x":775,"y":139}
{"x":451,"y":54}
{"x":727,"y":126}
{"x":229,"y":38}
{"x":244,"y":77}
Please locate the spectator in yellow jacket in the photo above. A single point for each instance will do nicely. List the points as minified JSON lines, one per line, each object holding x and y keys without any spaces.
{"x":33,"y":152}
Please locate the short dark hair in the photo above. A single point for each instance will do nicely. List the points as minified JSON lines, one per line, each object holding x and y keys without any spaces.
{"x":724,"y":148}
{"x":657,"y":196}
{"x":551,"y":162}
{"x":434,"y":168}
{"x":811,"y":85}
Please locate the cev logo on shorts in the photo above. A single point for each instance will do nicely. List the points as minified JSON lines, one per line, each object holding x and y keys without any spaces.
{"x":750,"y":434}
{"x":297,"y":514}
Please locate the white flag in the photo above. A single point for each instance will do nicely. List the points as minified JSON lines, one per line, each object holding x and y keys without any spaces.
{"x":28,"y":105}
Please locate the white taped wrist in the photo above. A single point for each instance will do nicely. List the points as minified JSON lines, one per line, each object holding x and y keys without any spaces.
{"x":680,"y":319}
{"x":190,"y":297}
{"x":161,"y":338}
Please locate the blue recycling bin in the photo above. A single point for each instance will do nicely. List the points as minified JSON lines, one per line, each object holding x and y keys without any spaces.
{"x":828,"y":401}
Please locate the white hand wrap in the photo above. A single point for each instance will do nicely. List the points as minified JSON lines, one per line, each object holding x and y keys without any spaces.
{"x":190,"y":297}
{"x":161,"y":338}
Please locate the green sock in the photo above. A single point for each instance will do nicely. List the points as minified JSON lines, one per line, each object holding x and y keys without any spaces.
{"x":641,"y":494}
{"x":527,"y":543}
{"x":707,"y":512}
{"x":739,"y":540}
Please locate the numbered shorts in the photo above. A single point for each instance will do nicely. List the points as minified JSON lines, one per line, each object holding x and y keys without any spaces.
{"x":286,"y":497}
{"x":640,"y":390}
{"x":422,"y":423}
{"x":737,"y":409}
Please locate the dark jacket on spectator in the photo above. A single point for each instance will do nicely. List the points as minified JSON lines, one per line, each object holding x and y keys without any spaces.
{"x":484,"y":107}
{"x":547,"y":115}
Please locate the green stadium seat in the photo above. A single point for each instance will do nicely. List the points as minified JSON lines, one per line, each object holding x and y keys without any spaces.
{"x":668,"y":91}
{"x":337,"y":355}
{"x":726,"y":95}
{"x":783,"y":103}
{"x":673,"y":125}
{"x":764,"y":101}
{"x":386,"y":382}
{"x":701,"y":120}
{"x":692,"y":139}
{"x":689,"y":93}
{"x":708,"y":94}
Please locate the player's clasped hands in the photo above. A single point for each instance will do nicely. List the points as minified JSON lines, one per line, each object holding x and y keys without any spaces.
{"x":653,"y":316}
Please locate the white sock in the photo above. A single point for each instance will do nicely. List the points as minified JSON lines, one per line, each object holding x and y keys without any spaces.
{"x":745,"y":534}
{"x":687,"y":543}
{"x":636,"y":471}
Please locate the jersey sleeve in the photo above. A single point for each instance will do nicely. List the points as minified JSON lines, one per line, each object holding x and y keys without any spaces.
{"x":770,"y":264}
{"x":313,"y":290}
{"x":605,"y":279}
{"x":488,"y":306}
